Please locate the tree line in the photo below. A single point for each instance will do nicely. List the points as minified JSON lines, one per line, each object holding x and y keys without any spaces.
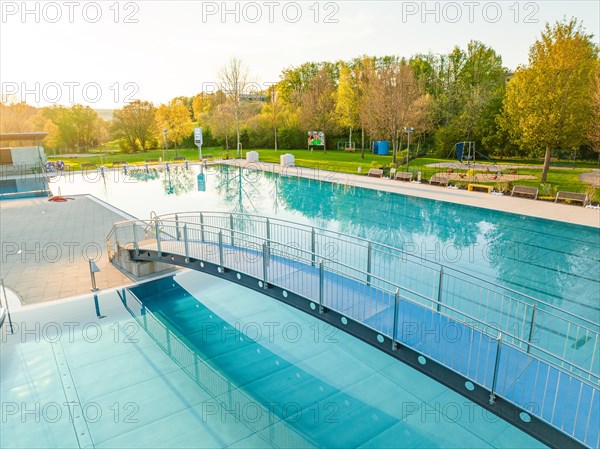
{"x":550,"y":104}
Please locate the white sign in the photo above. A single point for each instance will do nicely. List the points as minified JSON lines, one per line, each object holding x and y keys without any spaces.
{"x":198,"y":136}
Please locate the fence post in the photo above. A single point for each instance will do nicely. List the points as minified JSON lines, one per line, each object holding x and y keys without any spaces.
{"x":268,"y":232}
{"x":369,"y":255}
{"x":313,"y":245}
{"x":186,"y":243}
{"x":496,"y":364}
{"x":221,"y":250}
{"x":157,"y":231}
{"x":177,"y":233}
{"x":231,"y":226}
{"x":265,"y":265}
{"x":201,"y":227}
{"x":395,"y":329}
{"x":533,"y":313}
{"x":321,"y":285}
{"x":136,"y":245}
{"x":440,"y":286}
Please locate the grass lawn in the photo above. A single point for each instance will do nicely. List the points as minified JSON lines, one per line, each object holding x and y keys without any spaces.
{"x":566,"y":178}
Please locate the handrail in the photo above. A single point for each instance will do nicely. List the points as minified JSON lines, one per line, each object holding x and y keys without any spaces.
{"x":210,"y":229}
{"x":397,"y":250}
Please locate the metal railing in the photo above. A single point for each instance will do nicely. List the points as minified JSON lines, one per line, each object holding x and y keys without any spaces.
{"x":511,"y":344}
{"x":570,"y":337}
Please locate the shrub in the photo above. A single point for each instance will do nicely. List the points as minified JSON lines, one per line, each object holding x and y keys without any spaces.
{"x":548,"y":190}
{"x":471,"y":173}
{"x":504,"y":187}
{"x":375,"y":164}
{"x":392,"y":165}
{"x":461,"y":185}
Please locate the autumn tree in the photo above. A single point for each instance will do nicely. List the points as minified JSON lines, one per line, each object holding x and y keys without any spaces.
{"x":135,"y":124}
{"x":549,"y":102}
{"x":17,"y":117}
{"x":176,"y":118}
{"x":395,"y":99}
{"x":347,"y":100}
{"x":594,"y":126}
{"x":317,"y":111}
{"x":235,"y":82}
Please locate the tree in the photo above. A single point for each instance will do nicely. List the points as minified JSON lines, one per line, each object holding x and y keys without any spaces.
{"x":395,"y":100}
{"x":222,"y":122}
{"x":317,"y":112}
{"x":17,"y":117}
{"x":176,"y":118}
{"x":549,"y":102}
{"x":347,"y":100}
{"x":594,"y":126}
{"x":234,"y":81}
{"x":135,"y":124}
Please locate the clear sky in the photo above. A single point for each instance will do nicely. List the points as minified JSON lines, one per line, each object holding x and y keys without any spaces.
{"x":104,"y":53}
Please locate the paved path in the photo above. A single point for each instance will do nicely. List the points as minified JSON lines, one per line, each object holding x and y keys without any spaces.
{"x":592,"y":177}
{"x":541,"y":209}
{"x":45,"y":247}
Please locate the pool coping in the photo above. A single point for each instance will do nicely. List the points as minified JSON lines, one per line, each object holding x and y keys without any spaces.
{"x":522,"y":206}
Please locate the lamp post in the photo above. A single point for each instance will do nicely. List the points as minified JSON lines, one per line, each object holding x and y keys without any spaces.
{"x":408,"y":131}
{"x":166,"y":133}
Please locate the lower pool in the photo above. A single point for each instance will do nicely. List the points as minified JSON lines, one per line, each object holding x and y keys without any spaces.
{"x":194,"y":361}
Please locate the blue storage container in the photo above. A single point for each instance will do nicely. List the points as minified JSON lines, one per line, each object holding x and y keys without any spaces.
{"x":381,"y":147}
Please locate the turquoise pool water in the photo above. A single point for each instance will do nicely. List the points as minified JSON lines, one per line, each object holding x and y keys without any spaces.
{"x":553,"y":261}
{"x":200,"y":362}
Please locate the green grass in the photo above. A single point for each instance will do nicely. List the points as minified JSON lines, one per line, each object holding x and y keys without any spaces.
{"x":344,"y":162}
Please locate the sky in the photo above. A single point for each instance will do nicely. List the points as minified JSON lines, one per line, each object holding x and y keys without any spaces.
{"x":106,"y":53}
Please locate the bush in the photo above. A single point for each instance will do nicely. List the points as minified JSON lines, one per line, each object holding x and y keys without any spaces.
{"x":392,"y":165}
{"x":548,"y":190}
{"x":504,"y":187}
{"x":460,"y":185}
{"x":375,"y":164}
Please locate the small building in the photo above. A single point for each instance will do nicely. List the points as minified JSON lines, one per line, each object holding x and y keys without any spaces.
{"x":25,"y":152}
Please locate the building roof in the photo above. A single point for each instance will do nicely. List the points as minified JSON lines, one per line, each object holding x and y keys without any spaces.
{"x":17,"y":137}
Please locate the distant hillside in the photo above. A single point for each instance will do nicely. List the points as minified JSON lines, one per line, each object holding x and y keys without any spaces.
{"x":106,"y":114}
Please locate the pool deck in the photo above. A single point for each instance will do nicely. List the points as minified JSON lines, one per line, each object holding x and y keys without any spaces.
{"x":46,"y":245}
{"x":541,"y":209}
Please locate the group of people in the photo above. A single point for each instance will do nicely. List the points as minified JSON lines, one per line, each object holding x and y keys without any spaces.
{"x":55,"y":166}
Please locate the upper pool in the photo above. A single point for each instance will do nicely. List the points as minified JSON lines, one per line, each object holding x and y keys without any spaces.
{"x":554,"y":261}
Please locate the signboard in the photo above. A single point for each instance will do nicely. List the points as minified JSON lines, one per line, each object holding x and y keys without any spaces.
{"x":316,"y":138}
{"x":198,"y":136}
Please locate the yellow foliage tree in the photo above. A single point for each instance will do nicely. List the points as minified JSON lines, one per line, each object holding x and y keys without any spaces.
{"x":548,"y":104}
{"x":176,"y":118}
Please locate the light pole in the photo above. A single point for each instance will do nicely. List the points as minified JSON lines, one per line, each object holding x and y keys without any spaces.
{"x":408,"y":131}
{"x":166,"y":133}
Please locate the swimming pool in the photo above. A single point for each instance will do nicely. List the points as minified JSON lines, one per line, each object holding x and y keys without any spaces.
{"x":26,"y":187}
{"x":200,"y":362}
{"x":553,"y":261}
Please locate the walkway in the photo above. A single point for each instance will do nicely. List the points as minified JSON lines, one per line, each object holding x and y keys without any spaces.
{"x":46,"y":246}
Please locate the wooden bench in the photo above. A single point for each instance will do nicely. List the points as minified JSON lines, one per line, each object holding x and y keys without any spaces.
{"x":350,"y":150}
{"x":525,"y":192}
{"x":375,"y":172}
{"x":118,"y":163}
{"x":572,"y":197}
{"x":439,"y":180}
{"x":89,"y":166}
{"x":179,"y":159}
{"x":479,"y":187}
{"x":403,"y":176}
{"x":151,"y":161}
